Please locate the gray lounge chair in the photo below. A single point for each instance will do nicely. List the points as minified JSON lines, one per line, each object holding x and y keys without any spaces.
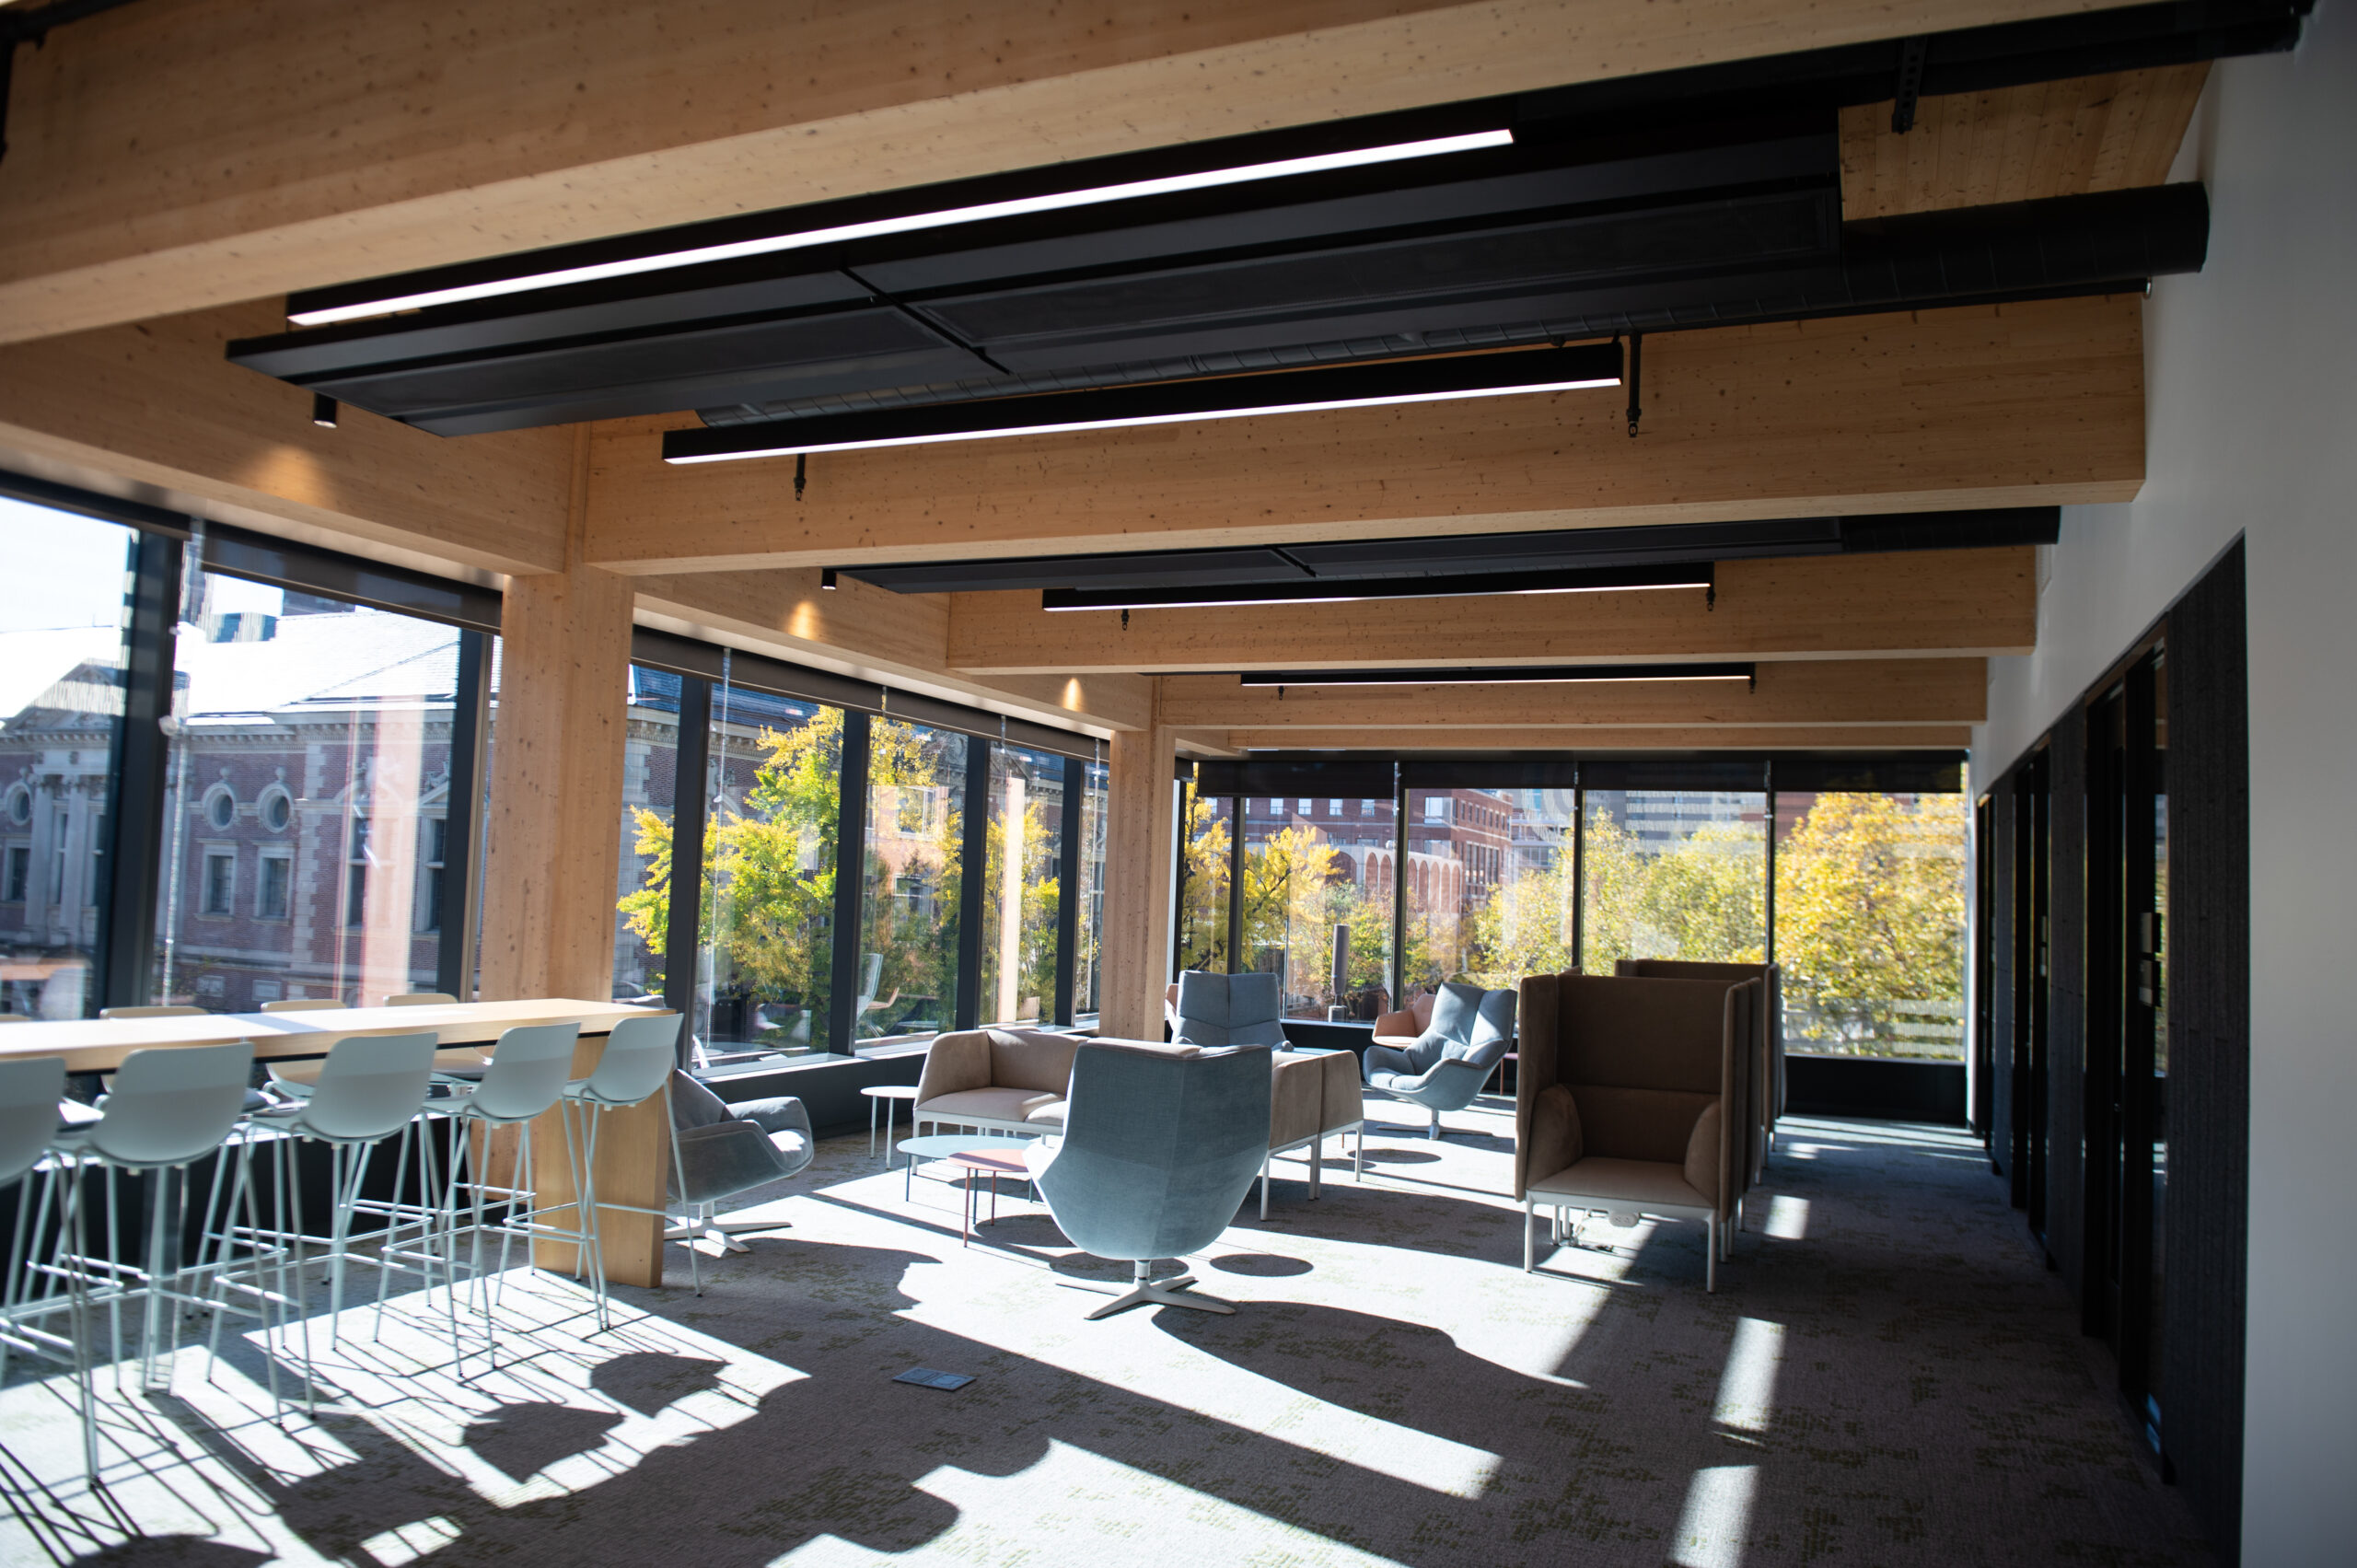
{"x":1229,"y":1009}
{"x":719,"y":1150}
{"x":1471,"y":1031}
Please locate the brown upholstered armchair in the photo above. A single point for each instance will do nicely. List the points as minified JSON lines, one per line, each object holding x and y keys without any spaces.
{"x":1634,"y":1100}
{"x":1768,"y":1070}
{"x":1007,"y":1080}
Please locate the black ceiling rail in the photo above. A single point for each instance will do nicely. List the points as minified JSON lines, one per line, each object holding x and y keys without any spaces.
{"x":33,"y":25}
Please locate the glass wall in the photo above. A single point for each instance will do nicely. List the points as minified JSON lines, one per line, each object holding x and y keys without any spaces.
{"x":61,"y":706}
{"x":1317,"y":901}
{"x":1674,"y":874}
{"x":911,"y":894}
{"x":1022,"y":861}
{"x":1204,"y":869}
{"x":650,"y":783}
{"x":1088,"y":926}
{"x":1870,"y":923}
{"x":306,"y":799}
{"x":766,"y":959}
{"x":1492,"y":895}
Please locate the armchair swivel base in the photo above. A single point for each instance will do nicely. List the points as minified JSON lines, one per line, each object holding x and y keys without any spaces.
{"x":1161,"y":1292}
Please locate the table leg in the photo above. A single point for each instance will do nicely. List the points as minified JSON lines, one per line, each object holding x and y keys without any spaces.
{"x":891,"y":1108}
{"x":871,"y":1130}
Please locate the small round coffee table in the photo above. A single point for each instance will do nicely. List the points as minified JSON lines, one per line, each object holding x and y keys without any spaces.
{"x":949,"y":1145}
{"x":890,"y":1094}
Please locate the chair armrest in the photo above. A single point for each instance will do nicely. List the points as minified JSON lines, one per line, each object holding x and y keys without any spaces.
{"x":1383,"y":1059}
{"x":1401,"y":1024}
{"x":783,"y":1114}
{"x":724,"y":1158}
{"x":954,"y":1063}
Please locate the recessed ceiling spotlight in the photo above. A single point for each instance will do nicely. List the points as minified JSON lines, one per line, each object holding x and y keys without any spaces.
{"x":946,"y":217}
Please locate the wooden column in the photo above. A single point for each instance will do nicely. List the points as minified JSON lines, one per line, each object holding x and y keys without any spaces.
{"x":554,"y":849}
{"x":1138,"y":861}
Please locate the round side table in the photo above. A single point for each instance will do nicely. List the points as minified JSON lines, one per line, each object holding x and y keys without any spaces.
{"x":948,"y":1145}
{"x":890,"y":1094}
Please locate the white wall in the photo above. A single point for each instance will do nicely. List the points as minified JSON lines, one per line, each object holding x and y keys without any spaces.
{"x":2251,"y":428}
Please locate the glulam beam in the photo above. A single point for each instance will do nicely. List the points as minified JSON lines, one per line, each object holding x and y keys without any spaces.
{"x":1948,"y":602}
{"x":2021,"y":405}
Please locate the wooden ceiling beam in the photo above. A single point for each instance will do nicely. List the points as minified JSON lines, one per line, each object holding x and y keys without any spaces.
{"x":1599,"y":738}
{"x":1959,"y":602}
{"x":1826,"y":694}
{"x":166,"y":157}
{"x":1975,"y":406}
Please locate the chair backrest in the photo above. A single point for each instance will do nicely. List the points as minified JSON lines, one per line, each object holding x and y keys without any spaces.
{"x":1039,"y":1059}
{"x":167,"y":1106}
{"x":172,"y":1011}
{"x":301,"y":1005}
{"x":1160,"y":1147}
{"x":1229,"y":1009}
{"x":529,"y":1068}
{"x":29,"y":1090}
{"x":420,"y":999}
{"x":640,"y":1054}
{"x":370,"y":1085}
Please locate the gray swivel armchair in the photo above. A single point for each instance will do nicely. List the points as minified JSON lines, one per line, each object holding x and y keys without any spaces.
{"x":1229,"y":1009}
{"x":1161,"y":1144}
{"x":1470,"y":1033}
{"x":719,"y":1150}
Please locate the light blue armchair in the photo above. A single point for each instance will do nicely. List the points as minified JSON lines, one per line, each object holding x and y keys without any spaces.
{"x":1161,"y":1144}
{"x":1229,"y":1009}
{"x":1446,"y":1066}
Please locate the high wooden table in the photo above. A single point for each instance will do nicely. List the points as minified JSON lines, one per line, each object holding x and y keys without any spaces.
{"x":633,"y":1146}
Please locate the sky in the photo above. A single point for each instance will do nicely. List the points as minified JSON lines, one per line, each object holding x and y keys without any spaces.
{"x":61,"y":570}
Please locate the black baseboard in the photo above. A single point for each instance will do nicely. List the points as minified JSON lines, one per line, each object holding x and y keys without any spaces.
{"x":1882,"y":1088}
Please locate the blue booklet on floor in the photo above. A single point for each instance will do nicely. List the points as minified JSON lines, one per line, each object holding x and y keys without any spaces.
{"x":926,"y":1377}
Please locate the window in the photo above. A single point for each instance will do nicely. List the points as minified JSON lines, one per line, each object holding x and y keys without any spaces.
{"x":1022,"y":859}
{"x":1308,"y":807}
{"x":912,"y":881}
{"x":1492,"y":899}
{"x":650,"y":796}
{"x":21,"y":806}
{"x":1675,"y":874}
{"x":271,"y":901}
{"x":1870,"y":923}
{"x":277,"y":692}
{"x":1436,"y":808}
{"x":20,"y":865}
{"x":220,"y":881}
{"x":1333,"y":808}
{"x":1088,"y":926}
{"x":1317,"y":913}
{"x":1203,"y":870}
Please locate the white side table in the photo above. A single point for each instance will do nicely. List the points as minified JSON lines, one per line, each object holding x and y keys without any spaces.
{"x":888,"y":1094}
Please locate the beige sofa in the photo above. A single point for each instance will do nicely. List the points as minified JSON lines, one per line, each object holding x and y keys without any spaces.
{"x":1634,"y":1099}
{"x":1768,"y":1061}
{"x":1007,"y":1080}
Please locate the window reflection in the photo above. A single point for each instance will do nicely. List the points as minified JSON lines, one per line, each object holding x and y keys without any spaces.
{"x":1317,"y":904}
{"x":907,"y":971}
{"x":1490,"y":890}
{"x":1675,"y":874}
{"x":1022,"y":862}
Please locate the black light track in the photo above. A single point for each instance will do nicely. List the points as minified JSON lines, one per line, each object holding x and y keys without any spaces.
{"x":1332,"y":590}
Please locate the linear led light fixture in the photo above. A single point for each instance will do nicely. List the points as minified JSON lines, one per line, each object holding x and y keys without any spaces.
{"x":1021,"y":206}
{"x":1569,"y":672}
{"x":1167,"y":403}
{"x":1341,"y":590}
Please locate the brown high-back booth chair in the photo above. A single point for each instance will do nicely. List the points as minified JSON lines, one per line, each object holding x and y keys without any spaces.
{"x":1634,"y":1099}
{"x":1768,"y":1080}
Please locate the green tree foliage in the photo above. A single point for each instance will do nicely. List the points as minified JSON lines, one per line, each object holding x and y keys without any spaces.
{"x":1525,"y":928}
{"x":1870,"y":916}
{"x":1037,"y":895}
{"x":1203,"y":901}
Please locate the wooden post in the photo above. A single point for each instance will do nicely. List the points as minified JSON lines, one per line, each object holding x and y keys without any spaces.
{"x":1139,"y":856}
{"x":555,"y":855}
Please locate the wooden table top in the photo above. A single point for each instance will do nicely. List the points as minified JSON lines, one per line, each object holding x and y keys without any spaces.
{"x":98,"y":1045}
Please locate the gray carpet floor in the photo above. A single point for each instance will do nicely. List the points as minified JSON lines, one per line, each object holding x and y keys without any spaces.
{"x":1886,"y":1375}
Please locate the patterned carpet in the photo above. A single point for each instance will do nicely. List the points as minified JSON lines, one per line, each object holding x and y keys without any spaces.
{"x":1887,"y":1376}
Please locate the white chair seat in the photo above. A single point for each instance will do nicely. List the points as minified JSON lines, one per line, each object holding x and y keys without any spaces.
{"x":995,"y":1105}
{"x":1652,"y":1185}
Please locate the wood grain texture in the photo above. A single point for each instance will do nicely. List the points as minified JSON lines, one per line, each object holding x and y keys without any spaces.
{"x":1140,"y":846}
{"x":1966,"y":602}
{"x":187,"y":153}
{"x":98,"y":1045}
{"x":1980,"y":406}
{"x":873,"y":633}
{"x":156,"y":405}
{"x":2110,"y":133}
{"x":1827,"y":693}
{"x":1608,"y":738}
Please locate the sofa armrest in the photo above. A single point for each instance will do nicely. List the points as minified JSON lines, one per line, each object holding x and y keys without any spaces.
{"x":954,"y":1063}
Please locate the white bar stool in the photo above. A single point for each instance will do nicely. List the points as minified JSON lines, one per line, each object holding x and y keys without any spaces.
{"x":29,"y":1092}
{"x":637,"y":1067}
{"x":529,"y":1068}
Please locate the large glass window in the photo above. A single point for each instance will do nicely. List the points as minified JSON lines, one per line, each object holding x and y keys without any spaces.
{"x":307,"y":785}
{"x":650,"y":784}
{"x":909,"y":917}
{"x":1088,"y":927}
{"x":1490,"y":890}
{"x":1675,"y":874}
{"x":768,"y":923}
{"x":1203,"y":875}
{"x":1870,"y":923}
{"x":1317,"y":903}
{"x":60,"y":704}
{"x":1022,"y":857}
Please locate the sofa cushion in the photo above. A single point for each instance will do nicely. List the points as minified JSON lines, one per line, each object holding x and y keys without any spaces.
{"x":1640,"y":1184}
{"x":1637,"y":1125}
{"x":1555,"y":1141}
{"x":988,"y":1104}
{"x":1296,"y":1096}
{"x":1703,"y":1153}
{"x":1032,"y":1059}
